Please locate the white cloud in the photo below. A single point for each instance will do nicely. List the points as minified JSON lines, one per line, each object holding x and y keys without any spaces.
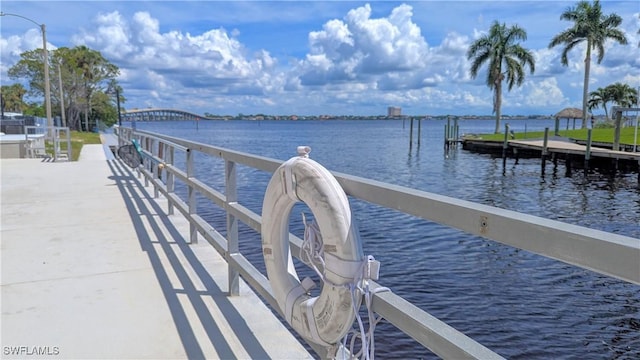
{"x":353,"y":60}
{"x":213,"y":59}
{"x":12,"y":46}
{"x":545,"y":93}
{"x":361,"y":48}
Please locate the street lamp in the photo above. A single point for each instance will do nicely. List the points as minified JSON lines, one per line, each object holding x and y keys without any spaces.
{"x":45,"y":58}
{"x":114,"y":89}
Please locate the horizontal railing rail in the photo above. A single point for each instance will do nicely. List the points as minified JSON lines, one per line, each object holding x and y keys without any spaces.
{"x":606,"y":253}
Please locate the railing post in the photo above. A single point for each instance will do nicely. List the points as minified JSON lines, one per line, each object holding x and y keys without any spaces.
{"x":145,"y":162}
{"x":161,"y":151}
{"x":193,"y":230}
{"x":155,"y":150}
{"x":231,"y":194}
{"x":170,"y":180}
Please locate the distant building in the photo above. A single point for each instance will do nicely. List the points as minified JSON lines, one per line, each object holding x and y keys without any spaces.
{"x":393,"y":111}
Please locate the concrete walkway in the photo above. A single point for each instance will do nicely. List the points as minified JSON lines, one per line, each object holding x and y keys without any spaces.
{"x":92,"y":267}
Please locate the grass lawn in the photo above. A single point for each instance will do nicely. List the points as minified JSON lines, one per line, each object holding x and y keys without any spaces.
{"x":78,"y":139}
{"x":598,"y":135}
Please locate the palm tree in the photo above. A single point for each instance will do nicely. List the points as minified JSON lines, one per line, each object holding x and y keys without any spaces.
{"x":592,"y":26}
{"x":625,"y":96}
{"x":506,"y":58}
{"x":622,"y":94}
{"x":600,"y":97}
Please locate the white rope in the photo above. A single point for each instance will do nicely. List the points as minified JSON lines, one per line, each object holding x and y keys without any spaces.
{"x":370,"y":271}
{"x":312,"y":253}
{"x":312,"y":250}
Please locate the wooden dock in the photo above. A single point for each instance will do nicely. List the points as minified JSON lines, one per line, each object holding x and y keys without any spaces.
{"x":566,"y":147}
{"x":558,"y":148}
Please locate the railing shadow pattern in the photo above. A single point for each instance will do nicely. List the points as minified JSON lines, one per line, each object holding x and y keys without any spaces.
{"x":171,"y":245}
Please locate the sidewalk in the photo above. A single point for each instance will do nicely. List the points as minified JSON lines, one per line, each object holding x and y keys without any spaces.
{"x":92,"y":267}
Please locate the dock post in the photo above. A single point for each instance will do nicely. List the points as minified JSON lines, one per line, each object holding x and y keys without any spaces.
{"x":616,"y":132}
{"x":587,"y":154}
{"x":545,"y":143}
{"x":446,"y":134}
{"x":505,"y":145}
{"x":556,"y":132}
{"x":455,"y":131}
{"x":419,"y":130}
{"x":410,"y":134}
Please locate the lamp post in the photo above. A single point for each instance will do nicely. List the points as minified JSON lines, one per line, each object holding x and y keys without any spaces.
{"x":45,"y":58}
{"x":114,"y":90}
{"x":118,"y":103}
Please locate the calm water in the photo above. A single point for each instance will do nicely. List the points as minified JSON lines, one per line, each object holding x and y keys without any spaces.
{"x":521,"y":305}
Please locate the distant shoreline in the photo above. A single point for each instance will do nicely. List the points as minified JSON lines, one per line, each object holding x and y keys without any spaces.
{"x":372,"y":117}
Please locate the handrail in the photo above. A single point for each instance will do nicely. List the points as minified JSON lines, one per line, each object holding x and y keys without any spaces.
{"x":606,"y":253}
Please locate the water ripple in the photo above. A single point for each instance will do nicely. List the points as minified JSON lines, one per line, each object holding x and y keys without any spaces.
{"x":521,"y":305}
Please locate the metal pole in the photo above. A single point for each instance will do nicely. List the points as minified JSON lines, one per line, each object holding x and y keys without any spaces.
{"x":118,"y":102}
{"x":231,"y":193}
{"x":62,"y":114}
{"x":191,"y":196}
{"x":47,"y":88}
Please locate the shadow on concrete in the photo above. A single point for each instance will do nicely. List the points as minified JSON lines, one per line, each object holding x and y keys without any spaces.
{"x":141,"y":205}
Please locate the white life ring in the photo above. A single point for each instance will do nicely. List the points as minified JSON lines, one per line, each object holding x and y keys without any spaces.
{"x":324,"y":319}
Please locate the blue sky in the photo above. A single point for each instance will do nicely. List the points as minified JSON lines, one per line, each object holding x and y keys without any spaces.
{"x":318,"y":57}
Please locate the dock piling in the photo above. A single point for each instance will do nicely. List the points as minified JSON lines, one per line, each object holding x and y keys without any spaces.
{"x":447,"y":132}
{"x":587,"y":154}
{"x":419,"y":130}
{"x":544,"y":153}
{"x":505,"y":145}
{"x":410,"y":134}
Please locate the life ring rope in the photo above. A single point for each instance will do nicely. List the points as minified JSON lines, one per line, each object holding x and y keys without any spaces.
{"x":363,"y":271}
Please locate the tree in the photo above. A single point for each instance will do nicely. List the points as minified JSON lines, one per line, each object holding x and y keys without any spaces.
{"x":622,"y":94}
{"x":625,"y":96}
{"x":13,"y":98}
{"x":505,"y":57}
{"x":600,"y":97}
{"x":30,"y":68}
{"x":590,"y":25}
{"x":82,"y":72}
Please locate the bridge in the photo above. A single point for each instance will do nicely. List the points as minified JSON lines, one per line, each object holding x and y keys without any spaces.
{"x":160,"y":114}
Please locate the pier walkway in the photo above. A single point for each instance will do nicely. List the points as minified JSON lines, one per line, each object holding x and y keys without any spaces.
{"x":92,"y":267}
{"x":566,"y":147}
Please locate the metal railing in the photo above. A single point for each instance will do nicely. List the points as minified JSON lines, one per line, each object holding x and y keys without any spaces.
{"x":37,"y":136}
{"x":602,"y":252}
